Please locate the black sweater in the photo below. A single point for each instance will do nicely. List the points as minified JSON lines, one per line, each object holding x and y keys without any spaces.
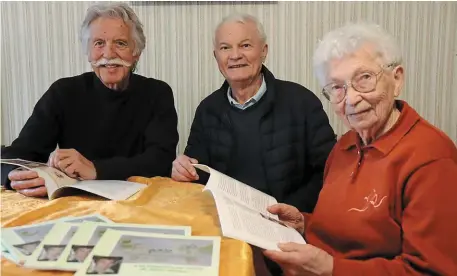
{"x":295,"y":140}
{"x":124,"y":133}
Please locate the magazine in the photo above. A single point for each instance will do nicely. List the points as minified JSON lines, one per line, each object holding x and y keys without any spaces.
{"x":59,"y":184}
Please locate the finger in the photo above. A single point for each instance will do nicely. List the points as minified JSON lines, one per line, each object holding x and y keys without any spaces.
{"x":277,"y":256}
{"x":21,"y":174}
{"x":177,"y":176}
{"x":278,"y":208}
{"x":34,"y":192}
{"x":27,"y":184}
{"x":187,"y":162}
{"x":181,"y":169}
{"x":64,"y":153}
{"x":64,"y":163}
{"x":72,"y":170}
{"x":290,"y":246}
{"x":54,"y":159}
{"x":288,"y":270}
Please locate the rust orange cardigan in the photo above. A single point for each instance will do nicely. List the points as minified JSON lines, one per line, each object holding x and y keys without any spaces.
{"x":390,"y":208}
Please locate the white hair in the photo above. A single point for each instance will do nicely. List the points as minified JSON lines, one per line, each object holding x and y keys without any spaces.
{"x":348,"y":39}
{"x":242,"y":18}
{"x":113,"y":10}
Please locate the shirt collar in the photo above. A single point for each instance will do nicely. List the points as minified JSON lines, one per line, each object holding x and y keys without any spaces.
{"x":253,"y":100}
{"x":408,"y":118}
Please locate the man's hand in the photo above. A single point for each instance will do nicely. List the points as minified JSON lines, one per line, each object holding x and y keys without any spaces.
{"x":183,"y":170}
{"x":73,"y":164}
{"x":27,"y":183}
{"x":301,"y":259}
{"x":289,"y":215}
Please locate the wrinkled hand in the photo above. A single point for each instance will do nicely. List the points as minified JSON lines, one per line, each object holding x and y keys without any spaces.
{"x":289,"y":215}
{"x":27,"y":183}
{"x":301,"y":259}
{"x":73,"y":164}
{"x":183,"y":170}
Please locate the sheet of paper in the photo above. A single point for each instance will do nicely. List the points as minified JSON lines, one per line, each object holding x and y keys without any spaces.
{"x":238,"y":191}
{"x":9,"y":257}
{"x":50,"y":249}
{"x":130,"y":253}
{"x":111,"y":189}
{"x":252,"y":226}
{"x":89,"y":218}
{"x":89,"y":233}
{"x":21,"y":241}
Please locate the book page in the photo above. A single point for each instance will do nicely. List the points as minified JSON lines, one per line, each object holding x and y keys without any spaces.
{"x":130,"y":253}
{"x":89,"y":233}
{"x":252,"y":226}
{"x":238,"y":191}
{"x":53,"y":178}
{"x":111,"y":189}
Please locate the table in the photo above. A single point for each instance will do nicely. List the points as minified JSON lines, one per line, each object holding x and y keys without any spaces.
{"x":163,"y":201}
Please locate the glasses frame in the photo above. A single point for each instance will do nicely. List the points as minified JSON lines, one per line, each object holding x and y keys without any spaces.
{"x":349,"y":83}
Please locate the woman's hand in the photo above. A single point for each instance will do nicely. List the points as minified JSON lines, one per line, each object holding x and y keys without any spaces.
{"x":301,"y":259}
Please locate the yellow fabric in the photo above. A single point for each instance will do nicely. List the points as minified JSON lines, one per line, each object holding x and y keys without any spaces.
{"x":163,"y":201}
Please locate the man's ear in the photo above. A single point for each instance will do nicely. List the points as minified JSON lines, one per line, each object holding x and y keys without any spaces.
{"x":264,"y":52}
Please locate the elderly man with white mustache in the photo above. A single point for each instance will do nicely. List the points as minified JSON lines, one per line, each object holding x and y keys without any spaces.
{"x":107,"y":124}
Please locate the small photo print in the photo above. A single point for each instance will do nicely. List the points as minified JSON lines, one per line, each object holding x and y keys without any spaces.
{"x":79,"y":253}
{"x":27,"y":248}
{"x":104,"y":265}
{"x":50,"y":253}
{"x":273,"y":220}
{"x":30,"y":234}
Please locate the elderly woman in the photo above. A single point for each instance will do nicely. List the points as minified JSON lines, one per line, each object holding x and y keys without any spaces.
{"x":109,"y":123}
{"x":388,"y":205}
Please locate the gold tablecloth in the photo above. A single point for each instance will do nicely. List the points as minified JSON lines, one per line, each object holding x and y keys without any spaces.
{"x":163,"y":201}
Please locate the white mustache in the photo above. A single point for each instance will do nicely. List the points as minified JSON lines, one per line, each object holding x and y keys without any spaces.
{"x":114,"y":61}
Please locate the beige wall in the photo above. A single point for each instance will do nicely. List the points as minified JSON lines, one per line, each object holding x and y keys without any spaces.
{"x":39,"y":44}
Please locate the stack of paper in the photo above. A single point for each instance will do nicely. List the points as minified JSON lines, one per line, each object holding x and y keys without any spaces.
{"x":95,"y":245}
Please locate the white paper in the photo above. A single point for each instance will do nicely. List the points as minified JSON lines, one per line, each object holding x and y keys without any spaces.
{"x":238,"y":191}
{"x":111,"y":189}
{"x":21,"y":241}
{"x":138,"y":254}
{"x":252,"y":226}
{"x":89,"y":234}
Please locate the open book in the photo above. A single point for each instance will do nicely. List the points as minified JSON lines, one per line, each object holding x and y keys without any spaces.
{"x":243,"y":212}
{"x":59,"y":184}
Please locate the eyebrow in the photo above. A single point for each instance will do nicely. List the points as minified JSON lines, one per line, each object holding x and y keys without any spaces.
{"x":242,"y":41}
{"x":356,"y":71}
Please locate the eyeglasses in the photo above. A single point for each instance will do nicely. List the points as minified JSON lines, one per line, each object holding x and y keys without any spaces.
{"x":364,"y":82}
